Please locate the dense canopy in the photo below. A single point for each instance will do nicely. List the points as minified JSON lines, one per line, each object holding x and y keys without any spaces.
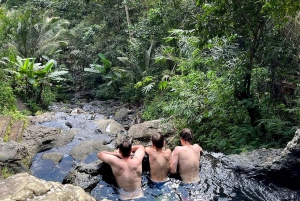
{"x":227,"y":69}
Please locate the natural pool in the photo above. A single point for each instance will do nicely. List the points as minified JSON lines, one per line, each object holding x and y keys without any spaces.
{"x":217,"y":182}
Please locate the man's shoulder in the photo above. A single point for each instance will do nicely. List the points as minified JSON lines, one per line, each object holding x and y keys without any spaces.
{"x":178,"y":149}
{"x":167,"y":151}
{"x":197,"y":148}
{"x":148,"y":150}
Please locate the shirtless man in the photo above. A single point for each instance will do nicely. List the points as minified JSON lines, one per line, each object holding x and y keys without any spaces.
{"x":186,"y":158}
{"x":126,"y":169}
{"x":158,"y":158}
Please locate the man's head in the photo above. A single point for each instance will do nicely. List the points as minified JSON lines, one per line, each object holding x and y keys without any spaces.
{"x":157,"y":140}
{"x":186,"y":134}
{"x":125,"y":147}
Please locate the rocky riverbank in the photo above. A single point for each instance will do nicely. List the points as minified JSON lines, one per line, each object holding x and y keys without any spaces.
{"x":107,"y":122}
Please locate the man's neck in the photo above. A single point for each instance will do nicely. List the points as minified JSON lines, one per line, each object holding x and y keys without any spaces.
{"x":185,"y":143}
{"x":125,"y":158}
{"x":156,"y":149}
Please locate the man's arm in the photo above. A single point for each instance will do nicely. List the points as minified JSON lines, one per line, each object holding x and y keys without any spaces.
{"x":109,"y":157}
{"x":199,"y":148}
{"x":174,"y":161}
{"x":139,"y":152}
{"x":148,"y":150}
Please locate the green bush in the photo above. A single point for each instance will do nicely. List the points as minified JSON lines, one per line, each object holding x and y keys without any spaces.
{"x":7,"y":99}
{"x":105,"y":92}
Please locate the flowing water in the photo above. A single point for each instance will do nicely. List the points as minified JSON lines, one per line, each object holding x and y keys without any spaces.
{"x":217,"y":182}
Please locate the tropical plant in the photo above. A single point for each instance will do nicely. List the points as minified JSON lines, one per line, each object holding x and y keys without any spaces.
{"x":111,"y":75}
{"x":32,"y":78}
{"x":38,"y":39}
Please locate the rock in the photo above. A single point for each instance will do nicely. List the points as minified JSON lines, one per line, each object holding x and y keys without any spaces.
{"x":53,"y":156}
{"x":24,"y":186}
{"x":121,"y":114}
{"x":110,"y":127}
{"x":84,"y":149}
{"x":14,"y":156}
{"x":285,"y":168}
{"x":252,"y":163}
{"x":86,"y":175}
{"x":141,"y":133}
{"x":40,"y":138}
{"x":281,"y":166}
{"x":76,"y":111}
{"x":48,"y":116}
{"x":65,"y":137}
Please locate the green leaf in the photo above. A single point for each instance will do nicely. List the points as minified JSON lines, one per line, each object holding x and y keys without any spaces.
{"x":56,"y":74}
{"x":92,"y":70}
{"x":162,"y":85}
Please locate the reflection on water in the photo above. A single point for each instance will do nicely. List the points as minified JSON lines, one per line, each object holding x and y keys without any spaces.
{"x":47,"y":170}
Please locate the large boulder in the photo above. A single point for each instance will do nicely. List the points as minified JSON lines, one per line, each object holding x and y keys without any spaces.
{"x":285,"y":168}
{"x":251,"y":163}
{"x":14,"y":157}
{"x":87,"y":176}
{"x":84,"y":149}
{"x":40,"y":138}
{"x":24,"y":186}
{"x":48,"y":116}
{"x":141,"y":133}
{"x":110,"y":127}
{"x":281,"y":166}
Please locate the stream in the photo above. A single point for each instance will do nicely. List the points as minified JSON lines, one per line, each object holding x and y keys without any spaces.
{"x":217,"y":182}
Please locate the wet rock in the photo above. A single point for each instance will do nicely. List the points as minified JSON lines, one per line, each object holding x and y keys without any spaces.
{"x":251,"y":163}
{"x":141,"y":133}
{"x":285,"y":168}
{"x":87,"y":176}
{"x":39,"y":138}
{"x":281,"y":166}
{"x":26,"y":187}
{"x":110,"y":127}
{"x":14,"y":156}
{"x":53,"y":156}
{"x":84,"y":149}
{"x":84,"y":175}
{"x":65,"y":137}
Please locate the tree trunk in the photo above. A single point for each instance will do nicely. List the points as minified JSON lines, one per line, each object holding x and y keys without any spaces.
{"x":129,"y":23}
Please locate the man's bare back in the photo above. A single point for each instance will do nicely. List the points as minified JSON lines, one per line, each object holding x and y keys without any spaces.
{"x":127,"y":170}
{"x":127,"y":173}
{"x":159,"y":163}
{"x":186,"y":158}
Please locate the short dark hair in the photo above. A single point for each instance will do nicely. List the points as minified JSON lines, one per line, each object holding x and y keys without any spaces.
{"x":158,"y":140}
{"x":186,"y":134}
{"x":125,"y":147}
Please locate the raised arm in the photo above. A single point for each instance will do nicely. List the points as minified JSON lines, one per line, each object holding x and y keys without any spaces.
{"x":148,"y":150}
{"x":139,"y":152}
{"x":174,"y":161}
{"x":109,"y":157}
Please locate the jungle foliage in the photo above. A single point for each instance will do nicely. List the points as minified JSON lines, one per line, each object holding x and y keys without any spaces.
{"x":227,"y":69}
